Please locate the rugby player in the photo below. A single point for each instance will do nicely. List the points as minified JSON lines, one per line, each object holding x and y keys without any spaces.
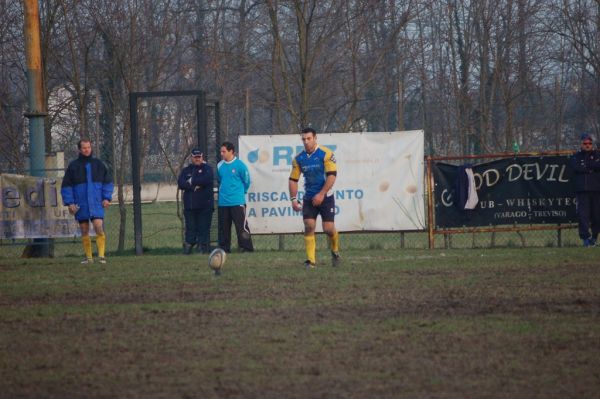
{"x":317,"y":164}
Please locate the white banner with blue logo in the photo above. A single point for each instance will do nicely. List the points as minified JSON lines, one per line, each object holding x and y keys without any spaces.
{"x":379,"y":185}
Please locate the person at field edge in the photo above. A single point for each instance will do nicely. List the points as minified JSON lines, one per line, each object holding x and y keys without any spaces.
{"x":586,"y":176}
{"x":196,"y":181}
{"x":234,"y":182}
{"x":318,"y":165}
{"x":87,"y":189}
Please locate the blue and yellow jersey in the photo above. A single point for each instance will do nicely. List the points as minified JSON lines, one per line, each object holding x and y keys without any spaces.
{"x":315,"y":167}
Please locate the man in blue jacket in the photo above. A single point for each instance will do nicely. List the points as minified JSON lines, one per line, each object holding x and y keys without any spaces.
{"x":234,"y":180}
{"x":87,"y":189}
{"x":586,"y":167}
{"x":196,"y":181}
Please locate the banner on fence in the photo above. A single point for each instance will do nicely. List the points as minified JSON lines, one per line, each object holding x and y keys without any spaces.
{"x":520,"y":190}
{"x":31,"y":207}
{"x":379,"y":184}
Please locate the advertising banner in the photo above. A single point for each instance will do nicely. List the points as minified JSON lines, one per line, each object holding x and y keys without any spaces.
{"x":31,"y":207}
{"x":379,"y":183}
{"x":525,"y":190}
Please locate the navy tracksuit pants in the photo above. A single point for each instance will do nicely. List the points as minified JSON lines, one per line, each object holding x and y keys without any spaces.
{"x":588,"y":212}
{"x":197,"y":227}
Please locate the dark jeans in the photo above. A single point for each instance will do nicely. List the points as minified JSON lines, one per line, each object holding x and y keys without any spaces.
{"x":197,"y":227}
{"x":588,"y":212}
{"x":237,"y":215}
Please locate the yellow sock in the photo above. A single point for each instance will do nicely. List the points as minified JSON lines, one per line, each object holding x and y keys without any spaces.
{"x":101,"y":244}
{"x":87,"y":246}
{"x":334,"y":242}
{"x":311,"y":247}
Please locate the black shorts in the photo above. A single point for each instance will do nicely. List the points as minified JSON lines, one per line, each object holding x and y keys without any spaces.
{"x":88,"y":220}
{"x":326,"y":209}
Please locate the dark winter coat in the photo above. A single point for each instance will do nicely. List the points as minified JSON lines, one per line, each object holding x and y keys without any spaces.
{"x":196,"y":181}
{"x":586,"y":170}
{"x":86,"y":184}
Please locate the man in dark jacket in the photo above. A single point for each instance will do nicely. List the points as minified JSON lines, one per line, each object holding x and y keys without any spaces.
{"x":87,"y":190}
{"x":586,"y":168}
{"x":196,"y":181}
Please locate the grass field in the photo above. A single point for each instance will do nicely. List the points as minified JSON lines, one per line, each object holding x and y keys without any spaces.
{"x":413,"y":323}
{"x":162,"y":234}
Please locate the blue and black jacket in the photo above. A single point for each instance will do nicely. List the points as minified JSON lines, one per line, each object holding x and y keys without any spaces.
{"x":196,"y":181}
{"x":86,"y":184}
{"x":586,"y":168}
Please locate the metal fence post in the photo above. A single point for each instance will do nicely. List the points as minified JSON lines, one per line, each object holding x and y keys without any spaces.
{"x":135,"y":175}
{"x":430,"y":204}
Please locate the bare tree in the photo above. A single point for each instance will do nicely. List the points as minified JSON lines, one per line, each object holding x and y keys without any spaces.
{"x":13,"y":87}
{"x":477,"y":76}
{"x":578,"y":22}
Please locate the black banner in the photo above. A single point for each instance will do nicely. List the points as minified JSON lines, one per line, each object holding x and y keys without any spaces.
{"x":527,"y":190}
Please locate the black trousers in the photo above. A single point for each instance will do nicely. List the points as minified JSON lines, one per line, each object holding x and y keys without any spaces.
{"x":588,"y":212}
{"x":236,"y":215}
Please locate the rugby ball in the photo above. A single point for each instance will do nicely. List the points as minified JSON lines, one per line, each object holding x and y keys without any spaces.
{"x":216,"y":259}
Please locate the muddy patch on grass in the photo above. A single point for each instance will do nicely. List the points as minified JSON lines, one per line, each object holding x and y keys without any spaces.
{"x":432,"y":332}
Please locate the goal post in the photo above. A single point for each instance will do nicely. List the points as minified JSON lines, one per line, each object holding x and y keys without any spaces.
{"x":202,"y":141}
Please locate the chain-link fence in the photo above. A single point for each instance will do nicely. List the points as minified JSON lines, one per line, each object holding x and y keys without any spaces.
{"x":163,"y":231}
{"x":168,"y":131}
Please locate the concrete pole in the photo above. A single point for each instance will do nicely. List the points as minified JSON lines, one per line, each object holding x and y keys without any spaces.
{"x":37,"y":110}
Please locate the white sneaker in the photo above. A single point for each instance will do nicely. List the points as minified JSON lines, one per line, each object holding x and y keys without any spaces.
{"x":102,"y":260}
{"x":87,"y":261}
